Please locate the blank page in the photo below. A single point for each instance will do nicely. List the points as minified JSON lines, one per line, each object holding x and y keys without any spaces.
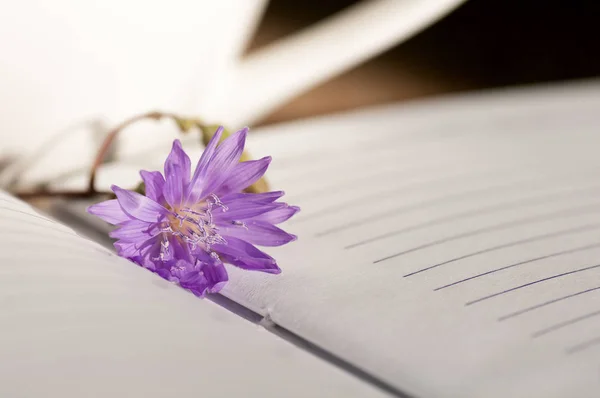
{"x":77,"y":321}
{"x":451,"y":248}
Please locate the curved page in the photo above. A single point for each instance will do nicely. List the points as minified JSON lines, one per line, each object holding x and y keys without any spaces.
{"x":77,"y":321}
{"x":449,"y":247}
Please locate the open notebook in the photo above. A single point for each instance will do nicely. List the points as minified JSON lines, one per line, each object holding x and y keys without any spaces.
{"x":78,"y":321}
{"x":449,"y":248}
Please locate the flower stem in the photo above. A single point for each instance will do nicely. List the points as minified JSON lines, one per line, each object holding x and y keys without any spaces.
{"x":44,"y":193}
{"x":110,"y":138}
{"x":184,"y":125}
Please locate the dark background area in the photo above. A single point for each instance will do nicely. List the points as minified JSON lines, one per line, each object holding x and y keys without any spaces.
{"x":482,"y":44}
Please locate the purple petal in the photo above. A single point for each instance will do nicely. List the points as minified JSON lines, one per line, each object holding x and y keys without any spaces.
{"x":179,"y":159}
{"x":197,"y":182}
{"x":110,"y":211}
{"x":189,"y":277}
{"x":278,"y":215}
{"x":258,"y":233}
{"x":244,"y":174}
{"x":126,"y":249}
{"x":179,"y":250}
{"x":135,"y":231}
{"x":241,"y":212}
{"x":154,"y":184}
{"x":242,"y":254}
{"x":139,"y":206}
{"x":200,"y":277}
{"x":235,"y":199}
{"x":153,"y":251}
{"x":226,"y":156}
{"x":216,"y":275}
{"x":144,"y":256}
{"x":174,"y":188}
{"x":177,"y":174}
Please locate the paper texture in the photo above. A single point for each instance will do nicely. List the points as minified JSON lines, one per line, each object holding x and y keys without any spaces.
{"x":450,"y":248}
{"x":77,"y":321}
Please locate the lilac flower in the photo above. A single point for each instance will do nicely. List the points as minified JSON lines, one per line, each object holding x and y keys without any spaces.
{"x":187,"y":226}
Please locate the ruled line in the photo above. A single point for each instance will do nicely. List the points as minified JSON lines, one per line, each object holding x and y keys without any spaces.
{"x":308,"y":193}
{"x":497,"y":227}
{"x":551,"y":255}
{"x":295,"y":160}
{"x":27,"y":214}
{"x":347,"y":164}
{"x":420,"y":205}
{"x":378,"y":195}
{"x":355,"y":182}
{"x":476,"y":212}
{"x":561,"y":325}
{"x":30,"y":234}
{"x":530,"y":284}
{"x":59,"y":249}
{"x":582,"y":346}
{"x":535,"y":238}
{"x":10,"y":200}
{"x":546,"y":303}
{"x":367,"y":150}
{"x":51,"y":225}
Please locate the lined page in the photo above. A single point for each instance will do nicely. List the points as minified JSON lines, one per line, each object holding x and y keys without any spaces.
{"x":77,"y":321}
{"x":450,"y":248}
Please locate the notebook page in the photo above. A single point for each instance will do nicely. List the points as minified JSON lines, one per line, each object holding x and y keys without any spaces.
{"x":451,"y":248}
{"x":79,"y":321}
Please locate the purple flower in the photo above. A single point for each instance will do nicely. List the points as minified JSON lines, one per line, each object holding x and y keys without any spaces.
{"x":187,"y":226}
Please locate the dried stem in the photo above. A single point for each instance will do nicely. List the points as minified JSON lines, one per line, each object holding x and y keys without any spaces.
{"x":110,"y":138}
{"x":184,"y":124}
{"x":98,"y":160}
{"x":43,"y":193}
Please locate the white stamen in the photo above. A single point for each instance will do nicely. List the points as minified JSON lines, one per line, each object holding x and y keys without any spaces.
{"x":195,"y":227}
{"x":240,"y":224}
{"x":164,"y":248}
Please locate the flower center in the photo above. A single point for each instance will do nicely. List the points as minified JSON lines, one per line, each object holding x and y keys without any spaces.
{"x":194,"y":226}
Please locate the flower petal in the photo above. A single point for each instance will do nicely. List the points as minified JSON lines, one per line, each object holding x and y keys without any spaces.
{"x":216,"y":275}
{"x":177,"y":174}
{"x":243,"y":175}
{"x":126,"y":249}
{"x":179,"y":250}
{"x":235,"y":199}
{"x":226,"y":156}
{"x":242,"y":254}
{"x":199,"y":177}
{"x":110,"y":211}
{"x":154,"y":184}
{"x":138,"y":206}
{"x":179,"y":159}
{"x":144,"y":254}
{"x":258,"y":233}
{"x":241,"y":212}
{"x":135,"y":231}
{"x":283,"y":213}
{"x":174,"y":187}
{"x":189,"y":277}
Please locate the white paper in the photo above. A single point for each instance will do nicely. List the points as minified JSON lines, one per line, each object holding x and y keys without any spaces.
{"x":399,"y":203}
{"x":77,"y":321}
{"x":488,"y":207}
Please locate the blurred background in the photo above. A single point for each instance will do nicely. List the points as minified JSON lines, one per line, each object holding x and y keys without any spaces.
{"x":65,"y":78}
{"x":482,"y":44}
